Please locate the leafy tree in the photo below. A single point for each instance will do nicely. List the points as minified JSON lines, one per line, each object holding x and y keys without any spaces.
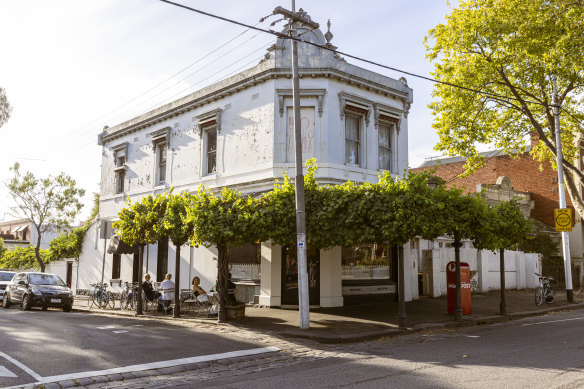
{"x":47,"y":203}
{"x":70,"y":243}
{"x":225,"y":221}
{"x":2,"y":248}
{"x":67,"y":245}
{"x":5,"y":108}
{"x":463,"y":217}
{"x":179,"y":230}
{"x":141,"y":223}
{"x":504,"y":53}
{"x":509,"y":227}
{"x":22,"y":258}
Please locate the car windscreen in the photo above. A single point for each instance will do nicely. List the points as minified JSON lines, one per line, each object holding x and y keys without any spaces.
{"x":6,"y":276}
{"x":45,"y":279}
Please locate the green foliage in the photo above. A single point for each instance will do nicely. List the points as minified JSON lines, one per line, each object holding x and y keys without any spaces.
{"x":2,"y":248}
{"x":22,"y":258}
{"x":68,"y":244}
{"x":228,"y":220}
{"x":509,"y":49}
{"x":510,"y":226}
{"x":48,"y":203}
{"x":175,"y":223}
{"x":538,"y":241}
{"x":141,"y":223}
{"x":5,"y":108}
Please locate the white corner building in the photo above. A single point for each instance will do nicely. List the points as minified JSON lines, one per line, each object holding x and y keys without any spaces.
{"x":239,"y":133}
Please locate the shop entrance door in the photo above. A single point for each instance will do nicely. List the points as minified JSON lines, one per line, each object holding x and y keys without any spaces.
{"x":290,"y":276}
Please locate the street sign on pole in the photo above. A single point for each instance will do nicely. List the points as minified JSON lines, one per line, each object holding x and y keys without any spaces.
{"x":563,"y":219}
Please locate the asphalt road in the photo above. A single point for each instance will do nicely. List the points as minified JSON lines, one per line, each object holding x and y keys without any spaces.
{"x":538,"y":352}
{"x":541,"y":352}
{"x":39,"y":343}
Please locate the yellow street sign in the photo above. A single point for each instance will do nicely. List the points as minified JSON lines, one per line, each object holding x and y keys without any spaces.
{"x":563,"y":218}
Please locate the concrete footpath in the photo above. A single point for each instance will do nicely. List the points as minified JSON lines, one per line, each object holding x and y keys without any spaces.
{"x":368,"y":318}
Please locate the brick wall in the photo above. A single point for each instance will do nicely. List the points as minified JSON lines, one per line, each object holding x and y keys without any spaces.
{"x":524,"y":174}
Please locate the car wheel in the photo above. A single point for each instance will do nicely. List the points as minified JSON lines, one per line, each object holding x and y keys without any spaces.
{"x":67,"y":308}
{"x":26,"y":303}
{"x":6,"y":301}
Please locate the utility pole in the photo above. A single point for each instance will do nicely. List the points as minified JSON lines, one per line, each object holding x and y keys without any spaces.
{"x":303,"y":302}
{"x":559,"y":158}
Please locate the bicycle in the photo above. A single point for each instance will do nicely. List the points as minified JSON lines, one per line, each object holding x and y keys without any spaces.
{"x":128,"y":296}
{"x":545,"y":290}
{"x":101,"y":297}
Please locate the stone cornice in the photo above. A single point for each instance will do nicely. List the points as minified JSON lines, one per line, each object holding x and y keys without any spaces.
{"x":193,"y":101}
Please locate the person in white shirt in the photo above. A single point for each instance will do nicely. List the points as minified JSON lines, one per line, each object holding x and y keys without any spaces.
{"x":167,"y":289}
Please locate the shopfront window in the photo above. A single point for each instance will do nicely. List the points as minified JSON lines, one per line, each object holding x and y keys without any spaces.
{"x":367,"y":263}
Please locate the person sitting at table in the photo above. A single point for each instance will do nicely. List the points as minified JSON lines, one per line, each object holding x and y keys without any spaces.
{"x":202,"y":296}
{"x":149,"y":291}
{"x":167,"y":288}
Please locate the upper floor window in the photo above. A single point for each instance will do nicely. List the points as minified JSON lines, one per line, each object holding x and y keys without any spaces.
{"x":211,"y":151}
{"x":120,"y":157}
{"x":161,"y":163}
{"x":160,"y":143}
{"x":384,"y":149}
{"x":209,"y":127}
{"x":352,"y":140}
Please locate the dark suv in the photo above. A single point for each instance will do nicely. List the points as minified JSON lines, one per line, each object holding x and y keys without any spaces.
{"x":38,"y":290}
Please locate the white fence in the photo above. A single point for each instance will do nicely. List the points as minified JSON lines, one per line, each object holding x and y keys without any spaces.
{"x":485,"y":269}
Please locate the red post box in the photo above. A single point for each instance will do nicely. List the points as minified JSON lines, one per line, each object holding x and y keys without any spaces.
{"x":464,"y":287}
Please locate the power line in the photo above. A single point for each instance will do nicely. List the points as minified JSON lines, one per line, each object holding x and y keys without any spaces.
{"x":284,"y":36}
{"x":159,"y":84}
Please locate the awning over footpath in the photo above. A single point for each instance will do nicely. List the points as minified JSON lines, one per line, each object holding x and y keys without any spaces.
{"x":118,"y":246}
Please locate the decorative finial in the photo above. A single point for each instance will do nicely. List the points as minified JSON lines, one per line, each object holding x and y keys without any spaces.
{"x":328,"y":36}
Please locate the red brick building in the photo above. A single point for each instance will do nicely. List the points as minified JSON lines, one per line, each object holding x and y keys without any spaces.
{"x":525,"y":175}
{"x":523,"y":171}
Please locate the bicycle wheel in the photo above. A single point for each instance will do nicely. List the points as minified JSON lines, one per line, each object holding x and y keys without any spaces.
{"x":538,"y":296}
{"x":90,"y":300}
{"x":124,"y":300}
{"x":100,"y":299}
{"x":551,"y":295}
{"x":110,"y":301}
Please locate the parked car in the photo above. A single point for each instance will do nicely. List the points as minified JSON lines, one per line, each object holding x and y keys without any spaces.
{"x":38,"y":290}
{"x":5,"y":277}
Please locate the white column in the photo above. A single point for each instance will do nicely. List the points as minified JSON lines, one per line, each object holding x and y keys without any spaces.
{"x":394,"y":148}
{"x":271,"y":275}
{"x":331,"y":286}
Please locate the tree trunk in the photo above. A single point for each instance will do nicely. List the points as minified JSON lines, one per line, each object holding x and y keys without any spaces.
{"x":139,"y":296}
{"x":458,"y":309}
{"x":176,"y":312}
{"x":37,"y":252}
{"x":222,"y":277}
{"x":503,"y":305}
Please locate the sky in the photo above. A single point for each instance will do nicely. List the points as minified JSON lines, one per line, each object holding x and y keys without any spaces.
{"x":71,"y":67}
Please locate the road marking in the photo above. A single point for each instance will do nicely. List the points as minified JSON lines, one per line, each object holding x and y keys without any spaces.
{"x":106,"y":327}
{"x":551,"y":321}
{"x":472,"y":336}
{"x":120,"y":331}
{"x":4,"y":372}
{"x":156,"y":365}
{"x":23,"y":367}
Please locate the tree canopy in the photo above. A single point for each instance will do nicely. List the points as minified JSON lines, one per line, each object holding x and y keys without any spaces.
{"x":5,"y":108}
{"x":503,"y":53}
{"x":50,"y":203}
